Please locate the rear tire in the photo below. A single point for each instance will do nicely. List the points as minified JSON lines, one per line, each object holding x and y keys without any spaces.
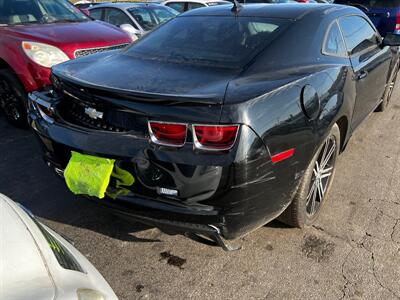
{"x":315,"y":184}
{"x":13,"y":99}
{"x":388,"y":93}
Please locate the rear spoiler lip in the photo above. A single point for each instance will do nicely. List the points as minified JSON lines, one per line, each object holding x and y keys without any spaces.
{"x":140,"y":96}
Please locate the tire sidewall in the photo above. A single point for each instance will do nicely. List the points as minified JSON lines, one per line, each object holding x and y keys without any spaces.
{"x":388,"y":93}
{"x":20,"y":94}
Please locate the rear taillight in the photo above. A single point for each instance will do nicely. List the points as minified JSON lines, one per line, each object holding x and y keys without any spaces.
{"x":168,"y":134}
{"x":214,"y":137}
{"x":205,"y":137}
{"x":397,"y":22}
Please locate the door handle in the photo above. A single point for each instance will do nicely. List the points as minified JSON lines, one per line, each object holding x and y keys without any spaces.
{"x":362,"y":75}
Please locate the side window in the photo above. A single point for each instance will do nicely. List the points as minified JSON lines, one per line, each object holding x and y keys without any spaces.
{"x":117,"y":17}
{"x":96,"y":13}
{"x":358,"y":34}
{"x":178,"y":6}
{"x":194,"y":5}
{"x":334,"y":44}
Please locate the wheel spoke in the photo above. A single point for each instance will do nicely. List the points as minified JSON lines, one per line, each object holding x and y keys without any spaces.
{"x":326,"y":170}
{"x":328,"y":157}
{"x":317,"y":167}
{"x":326,"y":175}
{"x":321,"y":191}
{"x":324,"y":152}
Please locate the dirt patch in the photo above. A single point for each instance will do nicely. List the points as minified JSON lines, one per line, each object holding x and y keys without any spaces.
{"x":139,"y":288}
{"x":317,"y":248}
{"x":173,"y":260}
{"x":128,"y":273}
{"x":269,"y":247}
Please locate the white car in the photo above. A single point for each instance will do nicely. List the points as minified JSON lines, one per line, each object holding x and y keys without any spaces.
{"x":134,"y":18}
{"x":185,"y":5}
{"x":36,"y":263}
{"x":82,"y":2}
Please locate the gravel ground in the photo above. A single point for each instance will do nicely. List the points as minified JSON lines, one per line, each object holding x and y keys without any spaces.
{"x":352,"y":252}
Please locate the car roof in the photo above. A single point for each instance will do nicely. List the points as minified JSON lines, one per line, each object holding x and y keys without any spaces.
{"x":269,"y":10}
{"x":126,"y":5}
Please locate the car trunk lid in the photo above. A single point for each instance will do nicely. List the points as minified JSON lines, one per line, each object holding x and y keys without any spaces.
{"x":151,"y":78}
{"x":147,"y":89}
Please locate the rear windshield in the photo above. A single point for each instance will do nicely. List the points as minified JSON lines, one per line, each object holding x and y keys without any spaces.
{"x":371,"y":3}
{"x":17,"y":12}
{"x":228,"y":42}
{"x":150,"y":17}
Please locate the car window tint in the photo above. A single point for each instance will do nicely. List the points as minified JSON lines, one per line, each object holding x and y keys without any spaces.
{"x":117,"y":17}
{"x":358,"y":34}
{"x":178,"y":6}
{"x":227,"y":42}
{"x":193,"y":5}
{"x":96,"y":13}
{"x":334,"y":44}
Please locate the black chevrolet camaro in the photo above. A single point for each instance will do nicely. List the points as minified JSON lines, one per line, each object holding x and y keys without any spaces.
{"x":222,"y":119}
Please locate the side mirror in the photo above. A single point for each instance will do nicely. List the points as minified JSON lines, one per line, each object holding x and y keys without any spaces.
{"x":132,"y":31}
{"x":391,"y":39}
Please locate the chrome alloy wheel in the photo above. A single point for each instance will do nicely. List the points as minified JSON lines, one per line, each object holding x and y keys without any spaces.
{"x":322,"y":174}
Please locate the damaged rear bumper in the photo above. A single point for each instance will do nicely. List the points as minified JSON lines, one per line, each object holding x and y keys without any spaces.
{"x":218,"y":194}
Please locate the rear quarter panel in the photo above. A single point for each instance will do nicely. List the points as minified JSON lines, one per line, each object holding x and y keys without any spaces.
{"x":278,"y":119}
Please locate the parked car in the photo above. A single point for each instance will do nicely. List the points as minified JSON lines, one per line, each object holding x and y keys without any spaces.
{"x":135,"y":18}
{"x":185,"y":5}
{"x":84,"y":5}
{"x":313,"y":1}
{"x":37,"y":263}
{"x":193,"y":129}
{"x":268,"y":1}
{"x":385,"y":14}
{"x":37,"y":34}
{"x":282,"y":1}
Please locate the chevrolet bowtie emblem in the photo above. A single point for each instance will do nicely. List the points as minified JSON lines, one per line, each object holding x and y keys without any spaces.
{"x":93,"y":113}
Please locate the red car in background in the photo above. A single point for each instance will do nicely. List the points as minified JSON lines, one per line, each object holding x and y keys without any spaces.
{"x":38,"y":34}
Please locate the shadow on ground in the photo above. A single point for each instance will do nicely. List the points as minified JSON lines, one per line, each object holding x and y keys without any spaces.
{"x":26,"y":179}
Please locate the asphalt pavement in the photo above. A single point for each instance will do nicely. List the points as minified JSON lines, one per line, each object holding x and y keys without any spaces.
{"x":353,"y":252}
